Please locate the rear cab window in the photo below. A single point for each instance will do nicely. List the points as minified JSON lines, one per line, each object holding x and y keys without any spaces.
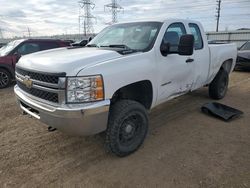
{"x":195,"y":30}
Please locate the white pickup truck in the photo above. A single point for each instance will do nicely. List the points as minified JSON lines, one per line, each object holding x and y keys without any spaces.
{"x":126,"y":70}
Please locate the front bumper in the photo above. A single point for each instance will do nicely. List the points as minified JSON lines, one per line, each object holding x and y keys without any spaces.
{"x":77,"y":119}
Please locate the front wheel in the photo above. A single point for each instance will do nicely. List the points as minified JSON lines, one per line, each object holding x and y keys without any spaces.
{"x":127,"y":127}
{"x":218,"y":87}
{"x":5,"y":78}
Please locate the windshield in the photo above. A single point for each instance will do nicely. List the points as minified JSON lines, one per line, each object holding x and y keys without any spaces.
{"x":9,"y":47}
{"x":246,"y":46}
{"x":139,"y":36}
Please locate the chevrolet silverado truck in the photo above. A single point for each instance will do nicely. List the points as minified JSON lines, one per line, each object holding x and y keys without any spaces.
{"x":112,"y":83}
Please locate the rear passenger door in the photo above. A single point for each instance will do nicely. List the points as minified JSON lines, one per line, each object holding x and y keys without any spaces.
{"x":201,"y":56}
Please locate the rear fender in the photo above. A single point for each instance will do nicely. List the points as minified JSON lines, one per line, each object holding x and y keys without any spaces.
{"x":227,"y":66}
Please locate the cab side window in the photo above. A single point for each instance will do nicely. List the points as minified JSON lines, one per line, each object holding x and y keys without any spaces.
{"x":195,"y":30}
{"x":173,"y":34}
{"x":28,"y":48}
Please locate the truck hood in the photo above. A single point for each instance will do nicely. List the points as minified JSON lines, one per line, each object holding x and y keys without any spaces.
{"x":68,"y":60}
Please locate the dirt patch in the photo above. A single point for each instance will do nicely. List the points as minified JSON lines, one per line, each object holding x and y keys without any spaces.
{"x":184,"y":148}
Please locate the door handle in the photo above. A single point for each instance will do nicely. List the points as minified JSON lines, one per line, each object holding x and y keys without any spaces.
{"x":189,"y":60}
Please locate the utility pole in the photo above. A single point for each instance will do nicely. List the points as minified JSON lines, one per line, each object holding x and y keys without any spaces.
{"x":29,"y":33}
{"x":218,"y":14}
{"x":114,"y":7}
{"x":85,"y":16}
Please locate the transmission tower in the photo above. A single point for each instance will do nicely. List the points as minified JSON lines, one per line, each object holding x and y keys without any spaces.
{"x":114,"y":7}
{"x":85,"y":16}
{"x":218,"y":14}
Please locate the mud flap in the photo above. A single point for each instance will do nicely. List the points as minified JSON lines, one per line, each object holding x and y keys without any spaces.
{"x":221,"y":111}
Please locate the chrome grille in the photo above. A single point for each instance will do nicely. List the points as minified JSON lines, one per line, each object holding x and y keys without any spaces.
{"x":44,"y":77}
{"x":49,"y":96}
{"x":46,"y":86}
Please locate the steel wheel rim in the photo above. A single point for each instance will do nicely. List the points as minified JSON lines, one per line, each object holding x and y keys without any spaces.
{"x":4,"y":79}
{"x":130,"y":130}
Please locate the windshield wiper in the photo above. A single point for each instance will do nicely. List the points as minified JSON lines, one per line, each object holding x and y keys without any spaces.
{"x":125,"y":48}
{"x":117,"y":46}
{"x":91,"y":45}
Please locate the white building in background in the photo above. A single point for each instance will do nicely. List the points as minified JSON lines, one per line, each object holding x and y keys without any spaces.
{"x":239,"y":36}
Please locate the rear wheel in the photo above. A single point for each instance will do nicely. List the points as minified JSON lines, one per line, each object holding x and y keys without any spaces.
{"x":127,"y":127}
{"x":5,"y":78}
{"x":218,"y":87}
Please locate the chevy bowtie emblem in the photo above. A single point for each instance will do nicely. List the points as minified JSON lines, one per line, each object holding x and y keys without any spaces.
{"x":27,"y":82}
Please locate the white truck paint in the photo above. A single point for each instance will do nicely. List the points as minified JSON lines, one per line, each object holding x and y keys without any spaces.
{"x":170,"y":76}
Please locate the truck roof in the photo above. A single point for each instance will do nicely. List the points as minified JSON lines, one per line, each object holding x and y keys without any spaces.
{"x":161,"y":20}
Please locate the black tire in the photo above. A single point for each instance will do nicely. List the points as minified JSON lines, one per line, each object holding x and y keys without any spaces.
{"x":218,"y":87}
{"x":5,"y":78}
{"x":127,"y":127}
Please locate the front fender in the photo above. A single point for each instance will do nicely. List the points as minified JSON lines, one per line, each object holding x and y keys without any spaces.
{"x":124,"y":71}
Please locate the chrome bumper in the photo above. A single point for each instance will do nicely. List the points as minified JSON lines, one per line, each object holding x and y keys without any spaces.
{"x":74,"y":119}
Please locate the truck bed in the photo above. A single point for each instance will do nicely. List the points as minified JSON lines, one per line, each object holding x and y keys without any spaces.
{"x":219,"y":53}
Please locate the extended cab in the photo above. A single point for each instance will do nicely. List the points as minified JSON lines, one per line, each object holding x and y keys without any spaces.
{"x":125,"y":71}
{"x":11,"y":52}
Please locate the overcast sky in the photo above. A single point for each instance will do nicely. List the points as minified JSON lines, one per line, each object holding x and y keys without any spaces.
{"x":49,"y":17}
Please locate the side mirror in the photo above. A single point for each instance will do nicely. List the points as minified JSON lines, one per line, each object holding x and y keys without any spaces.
{"x":164,"y":48}
{"x":186,"y":45}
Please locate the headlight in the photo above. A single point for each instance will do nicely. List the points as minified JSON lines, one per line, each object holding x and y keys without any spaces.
{"x":84,"y":89}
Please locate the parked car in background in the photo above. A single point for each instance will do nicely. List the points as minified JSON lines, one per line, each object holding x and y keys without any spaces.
{"x":2,"y":44}
{"x":69,"y":41}
{"x":243,"y":58}
{"x":80,"y":43}
{"x":11,"y":53}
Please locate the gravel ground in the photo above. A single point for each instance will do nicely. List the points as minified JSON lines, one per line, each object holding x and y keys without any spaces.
{"x":184,"y":148}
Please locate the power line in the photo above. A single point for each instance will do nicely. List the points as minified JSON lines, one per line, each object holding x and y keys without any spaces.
{"x":114,"y":7}
{"x":218,"y":14}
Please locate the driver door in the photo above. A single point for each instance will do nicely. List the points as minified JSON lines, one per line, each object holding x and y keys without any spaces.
{"x":176,"y":72}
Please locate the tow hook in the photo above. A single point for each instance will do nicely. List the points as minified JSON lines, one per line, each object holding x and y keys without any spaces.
{"x":26,"y":114}
{"x":51,"y":129}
